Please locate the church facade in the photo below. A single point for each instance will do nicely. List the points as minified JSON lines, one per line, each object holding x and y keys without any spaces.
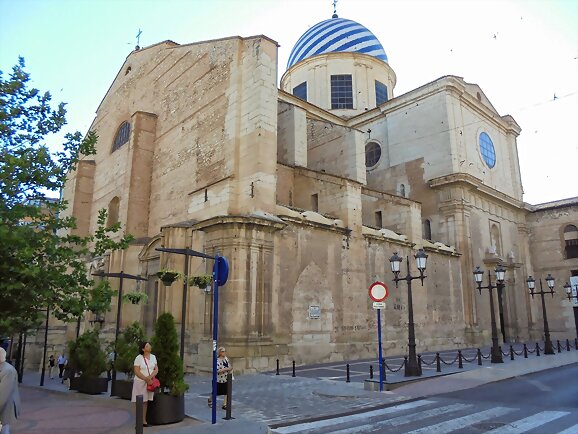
{"x":308,"y":189}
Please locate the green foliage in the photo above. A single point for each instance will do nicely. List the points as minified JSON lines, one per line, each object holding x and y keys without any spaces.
{"x":127,"y":348}
{"x":86,"y":355}
{"x":42,"y":263}
{"x":136,"y":297}
{"x":168,"y":276}
{"x":201,"y":281}
{"x":166,"y":349}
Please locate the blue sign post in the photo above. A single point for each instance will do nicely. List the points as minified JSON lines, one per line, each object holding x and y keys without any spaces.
{"x":220,"y":276}
{"x":378,"y":292}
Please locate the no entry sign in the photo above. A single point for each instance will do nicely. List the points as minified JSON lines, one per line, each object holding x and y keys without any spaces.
{"x":378,"y":291}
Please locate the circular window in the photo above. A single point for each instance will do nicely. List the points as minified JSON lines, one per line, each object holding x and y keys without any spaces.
{"x":372,"y":154}
{"x":487,"y":150}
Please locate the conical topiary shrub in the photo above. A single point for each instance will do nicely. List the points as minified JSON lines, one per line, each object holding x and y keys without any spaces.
{"x":166,"y":349}
{"x":168,"y":406}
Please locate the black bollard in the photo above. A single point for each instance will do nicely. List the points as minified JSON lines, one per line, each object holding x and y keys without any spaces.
{"x":348,"y":380}
{"x":277,"y":373}
{"x":537,"y":349}
{"x":460,"y":362}
{"x":479,"y":357}
{"x":139,"y":415}
{"x":558,"y":344}
{"x":229,"y":397}
{"x":525,"y":351}
{"x":567,"y":345}
{"x":371,"y":372}
{"x":419,"y":363}
{"x":438,"y":363}
{"x":511,"y":352}
{"x":293,"y":375}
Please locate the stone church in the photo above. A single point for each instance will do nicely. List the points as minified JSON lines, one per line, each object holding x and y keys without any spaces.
{"x":308,"y":188}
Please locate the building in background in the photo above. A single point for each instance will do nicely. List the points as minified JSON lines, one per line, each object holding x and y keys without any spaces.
{"x":308,"y":190}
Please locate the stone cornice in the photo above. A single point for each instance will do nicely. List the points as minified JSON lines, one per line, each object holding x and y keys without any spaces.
{"x":475,"y":184}
{"x":315,"y":224}
{"x":239,"y":220}
{"x":312,"y":111}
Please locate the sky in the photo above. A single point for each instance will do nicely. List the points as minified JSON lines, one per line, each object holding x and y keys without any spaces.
{"x":522,"y":53}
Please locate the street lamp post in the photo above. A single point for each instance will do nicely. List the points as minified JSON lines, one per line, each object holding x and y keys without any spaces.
{"x":412,"y":368}
{"x":500,"y":276}
{"x":548,"y":347}
{"x":122,"y":275}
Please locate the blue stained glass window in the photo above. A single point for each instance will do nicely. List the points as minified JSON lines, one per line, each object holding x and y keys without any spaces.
{"x":380,"y":93}
{"x":341,"y":92}
{"x":487,"y":150}
{"x":301,"y":91}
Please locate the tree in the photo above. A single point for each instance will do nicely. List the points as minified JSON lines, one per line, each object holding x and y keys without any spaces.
{"x":41,"y":262}
{"x":166,"y":349}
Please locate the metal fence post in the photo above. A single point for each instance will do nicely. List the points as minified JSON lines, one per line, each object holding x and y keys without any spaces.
{"x":438,"y":363}
{"x":511,"y":352}
{"x":348,"y":380}
{"x":139,"y":415}
{"x":371,"y":372}
{"x":277,"y":373}
{"x":537,"y":349}
{"x":479,"y":357}
{"x":525,"y":351}
{"x":293,"y":375}
{"x":460,"y":363}
{"x":229,"y":396}
{"x":567,"y":345}
{"x":558,"y":344}
{"x":419,"y":362}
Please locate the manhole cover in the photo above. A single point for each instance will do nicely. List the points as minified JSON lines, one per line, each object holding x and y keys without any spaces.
{"x":487,"y":426}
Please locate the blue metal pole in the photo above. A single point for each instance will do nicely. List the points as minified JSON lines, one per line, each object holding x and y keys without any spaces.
{"x":215,"y":335}
{"x":380,"y":356}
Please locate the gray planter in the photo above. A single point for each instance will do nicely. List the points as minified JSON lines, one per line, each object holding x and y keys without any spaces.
{"x":73,"y":383}
{"x":122,"y":389}
{"x":166,"y":409}
{"x":92,"y":386}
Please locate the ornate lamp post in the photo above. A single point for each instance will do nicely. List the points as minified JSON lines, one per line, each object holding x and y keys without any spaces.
{"x":412,"y":368}
{"x":500,"y":277}
{"x":548,"y":347}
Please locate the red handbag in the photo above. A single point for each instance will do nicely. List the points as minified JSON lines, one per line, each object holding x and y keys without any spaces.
{"x":156,"y":383}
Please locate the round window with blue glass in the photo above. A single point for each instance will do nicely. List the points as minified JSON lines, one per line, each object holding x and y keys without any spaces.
{"x":487,"y":150}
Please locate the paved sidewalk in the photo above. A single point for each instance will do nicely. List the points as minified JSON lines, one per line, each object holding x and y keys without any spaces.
{"x":265,"y":399}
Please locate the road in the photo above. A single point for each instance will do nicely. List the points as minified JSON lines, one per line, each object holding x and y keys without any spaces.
{"x":540,"y":403}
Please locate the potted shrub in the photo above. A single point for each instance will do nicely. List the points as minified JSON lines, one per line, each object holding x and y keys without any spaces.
{"x":88,"y":358}
{"x":201,"y":281}
{"x":136,"y":297}
{"x":168,"y":277}
{"x":127,"y":348}
{"x":168,"y":405}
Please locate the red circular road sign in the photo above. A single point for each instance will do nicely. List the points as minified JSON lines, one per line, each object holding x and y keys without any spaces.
{"x":378,"y":291}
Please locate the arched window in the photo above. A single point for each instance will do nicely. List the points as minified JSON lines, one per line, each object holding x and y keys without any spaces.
{"x":113,"y":207}
{"x":122,"y":136}
{"x":372,"y":154}
{"x":571,"y":241}
{"x":427,"y":230}
{"x":402,"y":190}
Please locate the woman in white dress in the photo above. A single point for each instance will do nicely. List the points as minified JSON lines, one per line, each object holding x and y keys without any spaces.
{"x":145,"y":369}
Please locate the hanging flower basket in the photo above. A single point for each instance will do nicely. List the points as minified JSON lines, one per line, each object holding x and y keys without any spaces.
{"x":136,"y":297}
{"x":201,"y":281}
{"x":168,"y":277}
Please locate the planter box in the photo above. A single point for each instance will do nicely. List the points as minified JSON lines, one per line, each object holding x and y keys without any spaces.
{"x":121,"y":388}
{"x":73,"y":383}
{"x":92,"y":386}
{"x":166,"y":409}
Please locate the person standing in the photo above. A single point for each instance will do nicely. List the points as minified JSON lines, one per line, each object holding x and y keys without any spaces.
{"x":224,"y":366}
{"x":9,"y":395}
{"x":61,"y":364}
{"x":51,"y":365}
{"x":145,"y":370}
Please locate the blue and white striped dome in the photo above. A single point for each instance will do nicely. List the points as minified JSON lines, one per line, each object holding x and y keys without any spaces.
{"x":333,"y":36}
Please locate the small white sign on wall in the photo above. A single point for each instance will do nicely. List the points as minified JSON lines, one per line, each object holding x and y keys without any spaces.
{"x":314,"y":312}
